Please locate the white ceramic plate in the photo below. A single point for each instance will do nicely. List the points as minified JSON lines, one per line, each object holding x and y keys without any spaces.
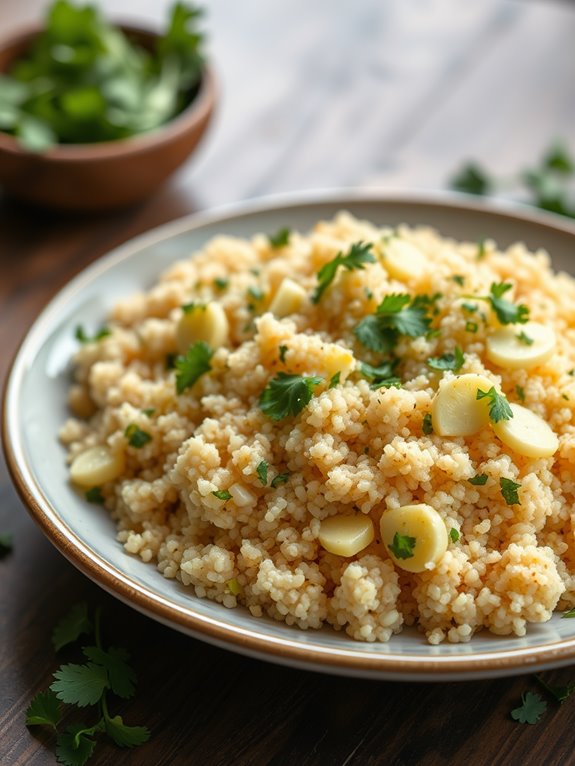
{"x":35,"y":407}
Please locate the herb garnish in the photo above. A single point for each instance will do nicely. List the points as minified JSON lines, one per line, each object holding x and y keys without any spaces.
{"x":509,"y":491}
{"x":280,"y":238}
{"x":427,"y":424}
{"x":559,"y":693}
{"x":357,"y":256}
{"x":262,"y":472}
{"x":334,"y":380}
{"x":471,"y":326}
{"x":458,"y":279}
{"x":287,"y":394}
{"x":221,"y":283}
{"x":283,"y":351}
{"x":520,"y":391}
{"x":222,"y":494}
{"x":524,"y":338}
{"x":381,"y":376}
{"x":281,"y":478}
{"x":94,"y":495}
{"x":193,"y":365}
{"x":499,"y":408}
{"x":454,"y":535}
{"x":398,"y":314}
{"x":478,"y":480}
{"x":507,"y":312}
{"x":469,"y":307}
{"x":136,"y":437}
{"x":149,"y":411}
{"x":6,"y":544}
{"x":256,"y":293}
{"x":402,"y":546}
{"x":448,"y":361}
{"x":471,"y":179}
{"x":531,"y":709}
{"x":81,"y":335}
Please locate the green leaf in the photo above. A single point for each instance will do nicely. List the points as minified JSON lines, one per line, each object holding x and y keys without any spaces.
{"x":559,"y":693}
{"x":507,"y":312}
{"x":35,"y":135}
{"x":149,"y":411}
{"x":373,"y":333}
{"x":121,"y":675}
{"x":570,"y":613}
{"x":281,"y":478}
{"x":396,"y":315}
{"x":479,"y":480}
{"x":471,"y":326}
{"x":70,"y":627}
{"x":94,"y":495}
{"x":509,"y":491}
{"x":44,"y":710}
{"x":427,"y":424}
{"x":287,"y":395}
{"x":6,"y":544}
{"x":183,"y":44}
{"x":80,"y":685}
{"x":524,"y":338}
{"x":280,"y":238}
{"x":262,"y":472}
{"x":499,"y":408}
{"x":136,"y":437}
{"x":357,"y":256}
{"x":282,"y":352}
{"x":221,"y":283}
{"x":193,"y":365}
{"x":448,"y":361}
{"x":81,"y":335}
{"x":74,"y":748}
{"x":454,"y":535}
{"x":126,"y":736}
{"x":12,"y":92}
{"x":256,"y":293}
{"x":334,"y":380}
{"x":472,"y":179}
{"x":559,"y":159}
{"x":520,"y":391}
{"x":458,"y":279}
{"x":222,"y":494}
{"x":531,"y":709}
{"x":402,"y":546}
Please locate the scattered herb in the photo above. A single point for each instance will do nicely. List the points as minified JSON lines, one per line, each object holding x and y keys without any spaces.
{"x":507,"y":312}
{"x":334,"y":380}
{"x":559,"y":693}
{"x":94,"y":495}
{"x":478,"y":480}
{"x":6,"y":544}
{"x":396,"y":315}
{"x":458,"y":279}
{"x":481,"y":250}
{"x":222,"y":494}
{"x":234,"y":587}
{"x":452,"y":362}
{"x":471,"y":179}
{"x":358,"y":255}
{"x":531,"y":709}
{"x":71,"y":626}
{"x":287,"y":394}
{"x":136,"y":437}
{"x":454,"y":535}
{"x":149,"y":411}
{"x":82,"y":337}
{"x":283,"y":351}
{"x":280,"y":238}
{"x":44,"y":710}
{"x":499,"y":408}
{"x":193,"y":365}
{"x":171,"y":360}
{"x":221,"y":283}
{"x":188,"y":308}
{"x":509,"y":491}
{"x":256,"y":293}
{"x":520,"y":391}
{"x":571,"y":372}
{"x":471,"y":326}
{"x":262,"y":472}
{"x":281,"y":478}
{"x":368,"y":293}
{"x":564,"y":396}
{"x":427,"y":424}
{"x":381,"y":376}
{"x":469,"y":307}
{"x":402,"y":546}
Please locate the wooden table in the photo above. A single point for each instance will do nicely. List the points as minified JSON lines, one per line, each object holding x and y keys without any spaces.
{"x":392,"y":94}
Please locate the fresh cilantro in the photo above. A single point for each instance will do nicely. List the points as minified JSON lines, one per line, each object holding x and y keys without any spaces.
{"x":171,"y":360}
{"x":121,"y":676}
{"x":520,"y":391}
{"x":126,"y":736}
{"x":44,"y":710}
{"x":448,"y":361}
{"x":565,"y":396}
{"x":481,"y":250}
{"x":386,"y":383}
{"x":136,"y":437}
{"x":149,"y":412}
{"x":80,"y":685}
{"x":510,"y":491}
{"x":571,"y":372}
{"x":402,"y":546}
{"x":280,"y":238}
{"x":559,"y":693}
{"x":368,"y":293}
{"x":222,"y":494}
{"x":357,"y":256}
{"x":283,"y":351}
{"x":281,"y":478}
{"x":524,"y":338}
{"x":427,"y":424}
{"x":334,"y":380}
{"x":531,"y":709}
{"x":471,"y":308}
{"x":454,"y":535}
{"x":478,"y":480}
{"x":221,"y":283}
{"x":499,"y":408}
{"x":256,"y":293}
{"x":70,"y":627}
{"x":287,"y":395}
{"x":471,"y":179}
{"x":94,"y":495}
{"x":381,"y":376}
{"x":193,"y":365}
{"x":507,"y":312}
{"x":6,"y":544}
{"x":471,"y":326}
{"x":458,"y":279}
{"x":75,"y":746}
{"x":570,"y":613}
{"x":396,"y":315}
{"x":84,"y":338}
{"x":262,"y":472}
{"x":189,"y":308}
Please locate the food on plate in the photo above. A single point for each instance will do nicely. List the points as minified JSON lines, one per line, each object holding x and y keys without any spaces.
{"x":362,"y":426}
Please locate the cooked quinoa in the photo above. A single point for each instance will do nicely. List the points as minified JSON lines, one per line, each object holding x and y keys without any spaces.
{"x":229,"y":501}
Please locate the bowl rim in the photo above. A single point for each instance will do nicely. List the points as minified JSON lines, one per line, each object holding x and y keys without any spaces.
{"x":196,"y":111}
{"x":285,"y":650}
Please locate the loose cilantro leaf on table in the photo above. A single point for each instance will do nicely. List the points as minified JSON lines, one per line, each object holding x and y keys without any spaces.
{"x":510,"y":491}
{"x":499,"y":408}
{"x":472,"y":179}
{"x":80,"y":685}
{"x":402,"y":546}
{"x":5,"y":544}
{"x":559,"y":693}
{"x":287,"y":394}
{"x":126,"y":736}
{"x":193,"y":365}
{"x":357,"y":256}
{"x":74,"y":624}
{"x":398,"y":314}
{"x":447,"y":361}
{"x":531,"y":709}
{"x":74,"y":747}
{"x":81,"y":335}
{"x":121,"y":676}
{"x":280,"y":238}
{"x":262,"y":472}
{"x":44,"y":710}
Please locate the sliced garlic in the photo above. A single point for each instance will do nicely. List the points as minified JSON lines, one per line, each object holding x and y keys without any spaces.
{"x":202,"y":322}
{"x":455,"y":409}
{"x":402,"y":260}
{"x":510,"y":347}
{"x":96,"y":466}
{"x":423,"y":525}
{"x":288,"y":299}
{"x":526,"y":433}
{"x":346,"y":535}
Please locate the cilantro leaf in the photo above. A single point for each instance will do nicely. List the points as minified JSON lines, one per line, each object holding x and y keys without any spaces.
{"x":221,"y":283}
{"x":559,"y":693}
{"x":280,"y":238}
{"x":74,"y":748}
{"x":70,"y":627}
{"x":447,"y":361}
{"x":402,"y":546}
{"x":520,"y":391}
{"x":531,"y":709}
{"x":509,"y":491}
{"x":382,"y":375}
{"x":44,"y":710}
{"x":454,"y":535}
{"x":287,"y":395}
{"x":94,"y":495}
{"x":357,"y":256}
{"x":373,"y":333}
{"x":149,"y":411}
{"x":6,"y":544}
{"x":472,"y":179}
{"x":570,"y":613}
{"x":136,"y":437}
{"x":193,"y":365}
{"x":80,"y":685}
{"x":427,"y":424}
{"x":222,"y":494}
{"x":396,"y":315}
{"x":334,"y":380}
{"x":507,"y":312}
{"x":81,"y":335}
{"x":499,"y":408}
{"x":281,"y":478}
{"x":524,"y":338}
{"x":478,"y":480}
{"x":121,"y":676}
{"x":471,"y":326}
{"x":458,"y":279}
{"x":126,"y":736}
{"x":282,"y":353}
{"x":262,"y":472}
{"x":559,"y":159}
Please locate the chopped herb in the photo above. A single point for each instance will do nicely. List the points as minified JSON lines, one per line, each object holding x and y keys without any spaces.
{"x":149,"y":411}
{"x":402,"y":546}
{"x":255,"y":271}
{"x":454,"y":535}
{"x":458,"y":279}
{"x":171,"y":360}
{"x":386,"y":383}
{"x":287,"y":395}
{"x":281,"y":478}
{"x":507,"y":312}
{"x":520,"y":391}
{"x":558,"y":158}
{"x":427,"y":424}
{"x":564,"y":396}
{"x":481,"y":250}
{"x":499,"y":408}
{"x":136,"y":437}
{"x":256,"y":293}
{"x":82,"y":337}
{"x":358,"y":255}
{"x":478,"y":480}
{"x":571,"y":372}
{"x":509,"y":491}
{"x":262,"y":472}
{"x":94,"y":495}
{"x":222,"y":494}
{"x":193,"y":365}
{"x":234,"y":587}
{"x":334,"y":380}
{"x":531,"y":709}
{"x":471,"y":326}
{"x":396,"y":315}
{"x":559,"y":693}
{"x":452,"y":362}
{"x":368,"y":293}
{"x":221,"y":283}
{"x":471,"y":308}
{"x":6,"y":544}
{"x":430,"y":334}
{"x":188,"y":308}
{"x":471,"y":179}
{"x":280,"y":238}
{"x":283,"y":351}
{"x":524,"y":338}
{"x":381,"y":376}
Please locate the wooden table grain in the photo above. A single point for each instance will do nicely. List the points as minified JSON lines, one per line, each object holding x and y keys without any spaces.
{"x":313,"y":94}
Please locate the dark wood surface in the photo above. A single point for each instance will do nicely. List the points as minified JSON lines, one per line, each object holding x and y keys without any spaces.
{"x":393,"y":94}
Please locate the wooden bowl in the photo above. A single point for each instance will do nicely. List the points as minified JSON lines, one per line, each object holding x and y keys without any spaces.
{"x":103,"y":175}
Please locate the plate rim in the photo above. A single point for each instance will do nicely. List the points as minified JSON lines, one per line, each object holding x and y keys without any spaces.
{"x":284,"y":650}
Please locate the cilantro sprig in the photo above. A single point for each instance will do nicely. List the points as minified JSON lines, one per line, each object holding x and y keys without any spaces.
{"x":287,"y":394}
{"x":398,"y":314}
{"x":382,"y":376}
{"x":89,"y":684}
{"x":357,"y":256}
{"x":193,"y":365}
{"x":499,"y":408}
{"x":448,"y":361}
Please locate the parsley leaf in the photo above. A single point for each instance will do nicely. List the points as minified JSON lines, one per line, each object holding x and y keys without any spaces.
{"x":509,"y":491}
{"x":454,"y":535}
{"x":73,"y":747}
{"x":262,"y":472}
{"x":427,"y":424}
{"x":126,"y":736}
{"x":334,"y":380}
{"x":193,"y":365}
{"x":6,"y":544}
{"x":448,"y":361}
{"x":402,"y":546}
{"x":222,"y":494}
{"x":121,"y":676}
{"x":281,"y":478}
{"x":499,"y":408}
{"x":71,"y":626}
{"x":396,"y":315}
{"x":507,"y":312}
{"x":80,"y":685}
{"x":44,"y":710}
{"x":472,"y":179}
{"x":478,"y":480}
{"x":136,"y":437}
{"x":287,"y":395}
{"x":84,"y":338}
{"x":280,"y":238}
{"x":358,"y":255}
{"x":531,"y":709}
